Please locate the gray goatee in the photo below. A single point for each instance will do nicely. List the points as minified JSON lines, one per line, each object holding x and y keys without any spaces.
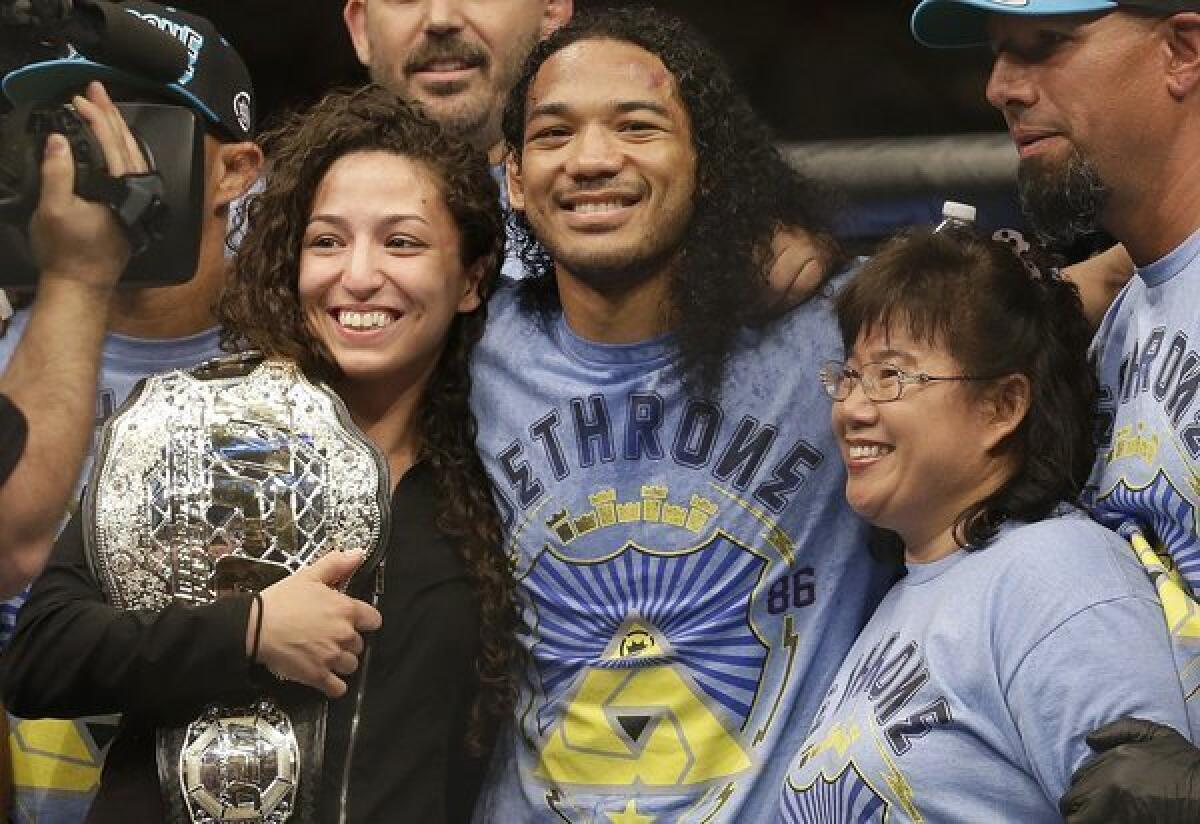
{"x":1063,"y":202}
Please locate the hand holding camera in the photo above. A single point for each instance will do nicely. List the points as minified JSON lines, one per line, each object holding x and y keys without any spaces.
{"x":169,"y":96}
{"x":80,"y":239}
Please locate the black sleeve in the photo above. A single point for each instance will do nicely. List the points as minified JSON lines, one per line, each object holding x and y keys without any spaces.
{"x":74,"y":654}
{"x":13,"y":430}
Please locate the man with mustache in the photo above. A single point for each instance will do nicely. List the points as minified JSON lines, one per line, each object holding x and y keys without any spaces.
{"x":1102,"y":98}
{"x":688,"y":570}
{"x":458,"y":58}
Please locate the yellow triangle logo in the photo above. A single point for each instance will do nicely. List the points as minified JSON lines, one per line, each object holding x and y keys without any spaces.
{"x":642,"y":726}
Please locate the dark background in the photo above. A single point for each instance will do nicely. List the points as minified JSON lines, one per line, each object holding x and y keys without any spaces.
{"x":815,"y":69}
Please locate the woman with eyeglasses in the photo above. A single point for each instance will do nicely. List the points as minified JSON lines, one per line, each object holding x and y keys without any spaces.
{"x":963,"y":412}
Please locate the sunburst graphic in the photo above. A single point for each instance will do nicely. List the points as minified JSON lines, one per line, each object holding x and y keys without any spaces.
{"x":1166,"y":517}
{"x":846,"y":799}
{"x":638,"y":608}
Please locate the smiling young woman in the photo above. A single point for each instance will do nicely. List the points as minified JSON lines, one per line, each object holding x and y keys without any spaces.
{"x":963,"y":413}
{"x":368,"y":259}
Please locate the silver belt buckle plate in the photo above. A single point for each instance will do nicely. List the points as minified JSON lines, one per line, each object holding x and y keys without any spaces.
{"x":265,"y":467}
{"x":240,"y":765}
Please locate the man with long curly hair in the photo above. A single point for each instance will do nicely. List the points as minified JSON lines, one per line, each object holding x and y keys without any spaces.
{"x":689,"y":573}
{"x":459,"y":59}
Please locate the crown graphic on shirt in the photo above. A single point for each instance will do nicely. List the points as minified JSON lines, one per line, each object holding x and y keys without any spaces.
{"x":654,"y":506}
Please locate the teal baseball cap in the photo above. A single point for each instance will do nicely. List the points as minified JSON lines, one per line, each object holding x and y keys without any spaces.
{"x":950,"y":23}
{"x":216,"y":83}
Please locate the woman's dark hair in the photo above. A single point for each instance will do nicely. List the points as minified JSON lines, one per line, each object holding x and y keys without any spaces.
{"x":996,"y":313}
{"x":745,"y":190}
{"x":261,"y":309}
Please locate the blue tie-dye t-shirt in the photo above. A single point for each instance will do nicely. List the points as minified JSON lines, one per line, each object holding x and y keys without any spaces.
{"x":689,"y":572}
{"x":969,"y":695}
{"x":1146,"y":482}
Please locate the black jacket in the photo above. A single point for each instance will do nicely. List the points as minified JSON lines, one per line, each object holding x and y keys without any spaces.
{"x":74,"y":655}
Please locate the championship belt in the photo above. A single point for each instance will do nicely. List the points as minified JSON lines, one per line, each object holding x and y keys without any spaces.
{"x":224,"y":479}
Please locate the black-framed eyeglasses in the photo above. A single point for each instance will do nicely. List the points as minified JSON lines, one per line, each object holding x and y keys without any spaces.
{"x":881,"y":382}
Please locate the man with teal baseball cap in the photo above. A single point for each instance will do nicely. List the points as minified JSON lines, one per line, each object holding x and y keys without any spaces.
{"x":1102,"y":100}
{"x":949,"y":23}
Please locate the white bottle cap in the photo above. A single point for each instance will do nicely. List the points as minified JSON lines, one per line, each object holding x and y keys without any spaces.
{"x":953,"y":210}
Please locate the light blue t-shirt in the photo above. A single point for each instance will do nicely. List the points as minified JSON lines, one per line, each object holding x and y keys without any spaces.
{"x":689,"y":571}
{"x":56,"y":763}
{"x":1146,"y":482}
{"x":970,"y":692}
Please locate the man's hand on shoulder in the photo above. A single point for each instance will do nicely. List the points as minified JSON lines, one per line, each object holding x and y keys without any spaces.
{"x":1142,"y":772}
{"x":1099,"y":279}
{"x":800,"y":263}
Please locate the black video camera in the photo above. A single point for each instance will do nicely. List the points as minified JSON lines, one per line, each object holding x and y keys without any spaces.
{"x":161,"y":211}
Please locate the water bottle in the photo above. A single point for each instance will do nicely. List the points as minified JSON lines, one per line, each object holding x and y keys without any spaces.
{"x":956,"y":216}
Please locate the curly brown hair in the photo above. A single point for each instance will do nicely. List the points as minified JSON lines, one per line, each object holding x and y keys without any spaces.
{"x":261,"y":309}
